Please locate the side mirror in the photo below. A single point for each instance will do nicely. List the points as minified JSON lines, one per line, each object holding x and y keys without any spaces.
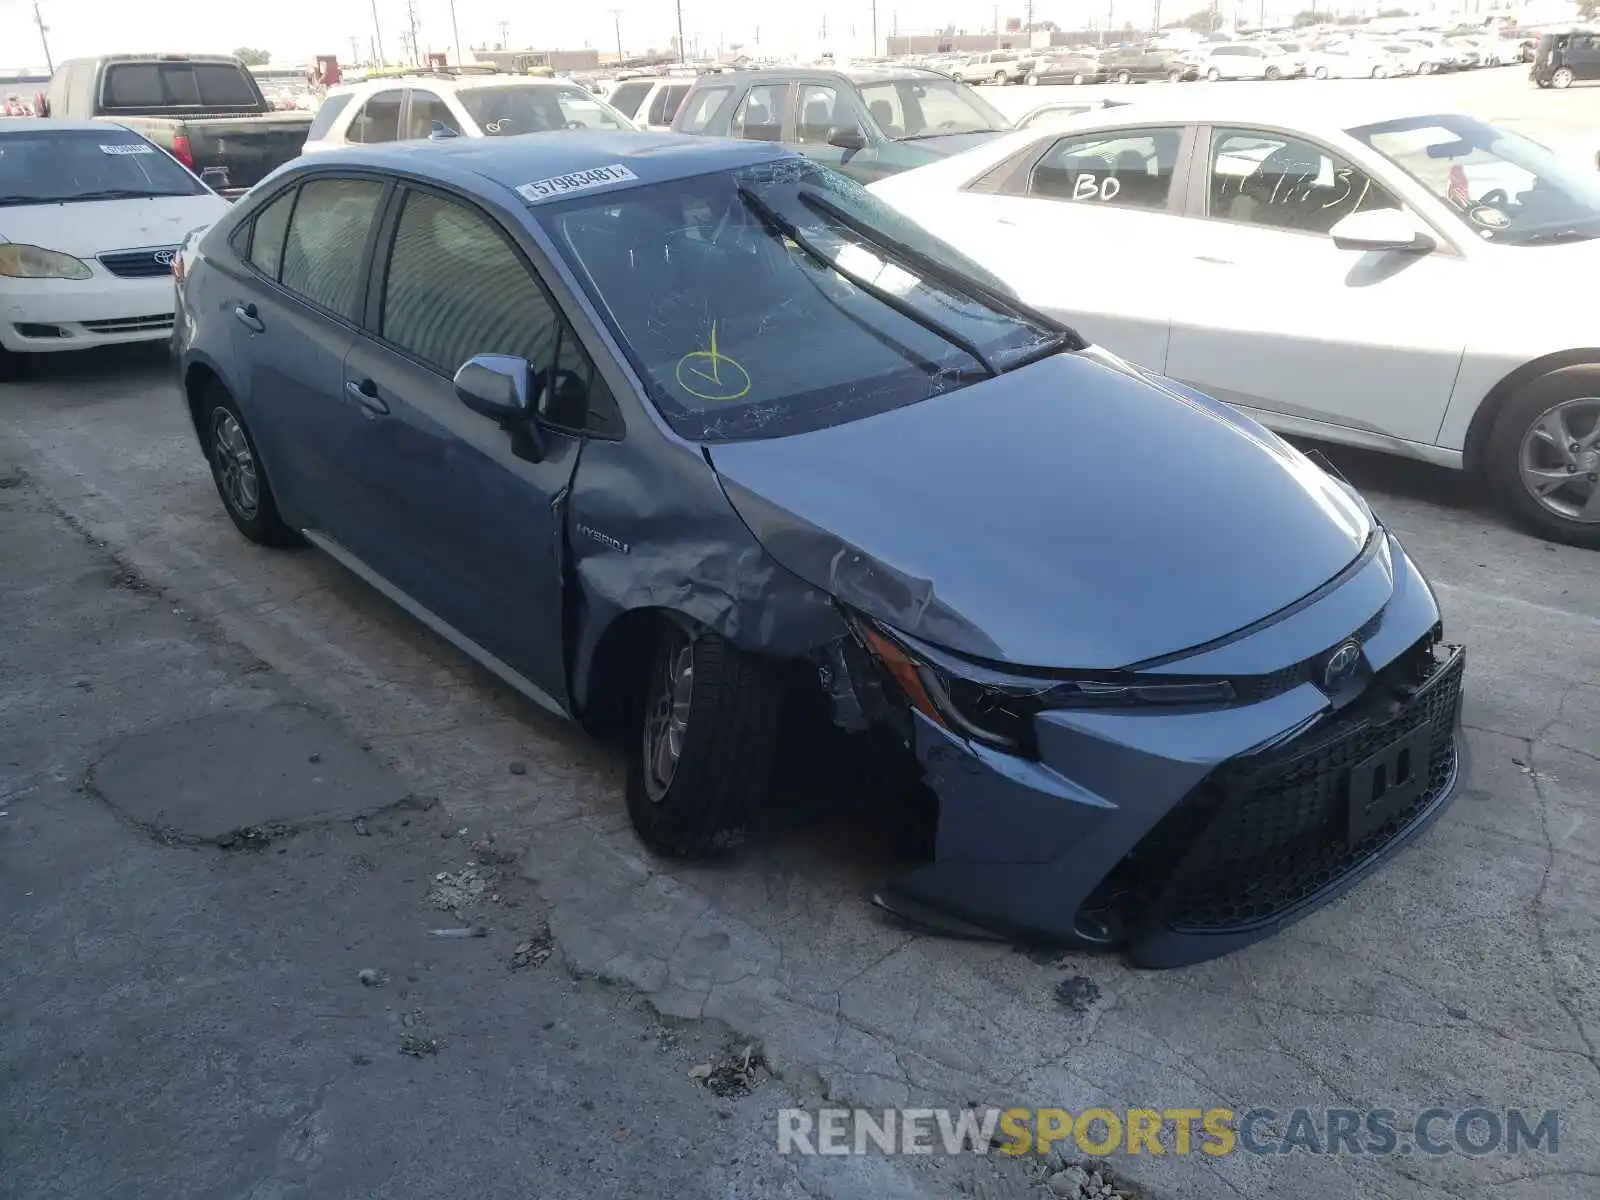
{"x":497,"y":386}
{"x":1381,"y":229}
{"x":848,"y":138}
{"x":439,"y":132}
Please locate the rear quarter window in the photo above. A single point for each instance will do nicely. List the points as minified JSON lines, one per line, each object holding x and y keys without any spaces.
{"x":326,"y":116}
{"x":628,"y":96}
{"x":702,"y":108}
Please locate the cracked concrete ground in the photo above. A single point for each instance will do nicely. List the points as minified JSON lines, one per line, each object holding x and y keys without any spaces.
{"x":274,"y":1020}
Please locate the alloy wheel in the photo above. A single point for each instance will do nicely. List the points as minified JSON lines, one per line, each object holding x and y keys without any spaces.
{"x":666,"y":720}
{"x":1559,"y":460}
{"x":1321,"y":72}
{"x":1213,"y":75}
{"x":1563,"y":77}
{"x":1124,"y":77}
{"x":234,"y":464}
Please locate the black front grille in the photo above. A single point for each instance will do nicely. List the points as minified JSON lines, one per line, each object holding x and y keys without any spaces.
{"x":131,"y":324}
{"x":1263,"y":835}
{"x":140,"y":264}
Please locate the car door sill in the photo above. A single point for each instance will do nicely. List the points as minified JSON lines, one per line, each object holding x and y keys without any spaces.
{"x":436,"y":623}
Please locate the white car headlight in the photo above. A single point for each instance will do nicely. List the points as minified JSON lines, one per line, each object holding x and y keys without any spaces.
{"x":35,"y":262}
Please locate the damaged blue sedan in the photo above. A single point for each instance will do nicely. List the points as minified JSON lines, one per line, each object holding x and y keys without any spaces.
{"x":661,"y":428}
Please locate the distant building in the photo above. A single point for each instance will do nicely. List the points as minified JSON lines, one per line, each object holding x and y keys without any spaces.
{"x":553,"y":60}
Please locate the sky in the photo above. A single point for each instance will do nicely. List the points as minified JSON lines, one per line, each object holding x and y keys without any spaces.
{"x":295,"y":30}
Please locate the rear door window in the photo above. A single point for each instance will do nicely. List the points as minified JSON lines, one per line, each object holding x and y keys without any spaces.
{"x":1131,"y":169}
{"x":664,"y":106}
{"x":759,"y":117}
{"x":427,"y":110}
{"x":703,"y":107}
{"x":628,"y":96}
{"x":327,"y":240}
{"x":378,"y":120}
{"x":270,"y":230}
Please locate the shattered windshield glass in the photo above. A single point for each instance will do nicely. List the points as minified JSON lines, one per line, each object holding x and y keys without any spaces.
{"x":753,"y":304}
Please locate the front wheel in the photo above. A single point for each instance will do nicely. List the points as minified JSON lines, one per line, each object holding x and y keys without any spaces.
{"x":1543,"y":456}
{"x":703,"y":756}
{"x":1174,"y":76}
{"x":1032,"y":81}
{"x":1274,"y":74}
{"x":1124,"y":77}
{"x":1320,"y":73}
{"x":1213,"y":75}
{"x":999,"y":78}
{"x":1380,"y":72}
{"x":1562,"y":79}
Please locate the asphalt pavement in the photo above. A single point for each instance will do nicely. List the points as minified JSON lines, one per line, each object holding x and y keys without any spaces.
{"x":167,"y":1000}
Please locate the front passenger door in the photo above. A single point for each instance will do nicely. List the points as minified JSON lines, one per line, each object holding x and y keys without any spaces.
{"x":472,"y":525}
{"x":378,"y":120}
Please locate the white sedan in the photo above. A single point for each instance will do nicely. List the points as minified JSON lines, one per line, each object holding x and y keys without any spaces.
{"x":1398,"y":281}
{"x":91,"y":216}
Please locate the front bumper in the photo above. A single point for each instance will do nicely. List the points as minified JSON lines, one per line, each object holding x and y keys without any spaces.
{"x":42,"y":316}
{"x":1191,"y":834}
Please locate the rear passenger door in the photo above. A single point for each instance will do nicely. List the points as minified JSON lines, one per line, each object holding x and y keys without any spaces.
{"x":378,"y":120}
{"x":294,"y":319}
{"x":470,"y":522}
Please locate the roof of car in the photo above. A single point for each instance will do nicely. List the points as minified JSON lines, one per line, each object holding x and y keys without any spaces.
{"x":458,"y":82}
{"x":857,"y":75}
{"x":55,"y":125}
{"x":1310,"y":113}
{"x":511,"y":162}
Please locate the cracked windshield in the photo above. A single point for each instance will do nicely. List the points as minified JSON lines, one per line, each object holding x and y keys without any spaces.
{"x":782,"y":297}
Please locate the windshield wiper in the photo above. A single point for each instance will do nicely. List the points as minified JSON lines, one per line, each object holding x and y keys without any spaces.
{"x":779,"y":224}
{"x":115,"y":194}
{"x":1066,"y":338}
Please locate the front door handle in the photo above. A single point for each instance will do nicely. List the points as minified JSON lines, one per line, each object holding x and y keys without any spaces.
{"x":1220,"y":262}
{"x":365,"y":394}
{"x":247,"y":317}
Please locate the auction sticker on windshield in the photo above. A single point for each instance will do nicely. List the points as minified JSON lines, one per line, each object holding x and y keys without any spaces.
{"x":575,"y":181}
{"x":127,"y":148}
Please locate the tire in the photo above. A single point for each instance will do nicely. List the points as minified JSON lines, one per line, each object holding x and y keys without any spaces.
{"x":1077,"y":81}
{"x":1541,"y":83}
{"x":1273,"y":74}
{"x":1562,"y":78}
{"x":1213,"y":75}
{"x":1514,"y":428}
{"x":237,"y":472}
{"x":1380,"y":72}
{"x":999,"y":79}
{"x":726,"y":731}
{"x":1174,"y":76}
{"x":1032,"y":81}
{"x":1124,"y":77}
{"x":1320,"y":73}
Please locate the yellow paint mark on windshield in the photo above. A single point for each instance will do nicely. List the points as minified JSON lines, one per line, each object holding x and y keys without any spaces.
{"x":711,"y":375}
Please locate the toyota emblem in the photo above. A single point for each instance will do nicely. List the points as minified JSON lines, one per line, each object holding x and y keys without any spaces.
{"x":1341,"y":665}
{"x":165,"y":257}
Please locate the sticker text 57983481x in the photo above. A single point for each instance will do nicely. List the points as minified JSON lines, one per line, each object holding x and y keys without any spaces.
{"x":574,"y":181}
{"x":127,"y":148}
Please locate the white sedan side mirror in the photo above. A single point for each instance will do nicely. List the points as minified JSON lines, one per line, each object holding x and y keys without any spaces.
{"x":1381,"y":229}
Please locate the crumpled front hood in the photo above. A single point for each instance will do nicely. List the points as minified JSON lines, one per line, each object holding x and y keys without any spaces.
{"x":1069,"y":514}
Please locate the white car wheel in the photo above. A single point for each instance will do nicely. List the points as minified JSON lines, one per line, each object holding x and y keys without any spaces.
{"x":1032,"y":81}
{"x":1563,"y":77}
{"x":1380,"y":72}
{"x":1213,"y":75}
{"x":1321,"y":72}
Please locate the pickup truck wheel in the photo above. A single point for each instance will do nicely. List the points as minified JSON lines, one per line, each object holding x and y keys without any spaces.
{"x":707,"y":733}
{"x":999,"y":78}
{"x":1543,"y":456}
{"x":236,"y":468}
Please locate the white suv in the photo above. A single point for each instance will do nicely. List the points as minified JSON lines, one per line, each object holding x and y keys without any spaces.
{"x":650,"y":101}
{"x":403,"y":107}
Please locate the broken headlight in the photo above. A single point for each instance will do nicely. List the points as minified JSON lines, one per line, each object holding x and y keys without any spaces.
{"x":997,"y":708}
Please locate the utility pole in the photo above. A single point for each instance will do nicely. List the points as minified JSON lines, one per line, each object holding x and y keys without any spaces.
{"x":44,"y":37}
{"x":616,"y":21}
{"x":680,"y":31}
{"x":505,"y":34}
{"x":455,"y":31}
{"x":875,"y":27}
{"x":411,"y":17}
{"x":1155,"y":19}
{"x":377,"y":34}
{"x":997,"y":27}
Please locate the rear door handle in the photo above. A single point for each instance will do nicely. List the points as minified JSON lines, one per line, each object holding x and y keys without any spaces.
{"x":247,"y":316}
{"x":365,"y":394}
{"x":1221,"y":262}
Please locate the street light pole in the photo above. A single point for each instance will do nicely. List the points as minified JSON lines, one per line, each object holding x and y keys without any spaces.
{"x":874,"y":28}
{"x":680,"y":30}
{"x":455,"y":31}
{"x":44,"y":38}
{"x":616,"y":21}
